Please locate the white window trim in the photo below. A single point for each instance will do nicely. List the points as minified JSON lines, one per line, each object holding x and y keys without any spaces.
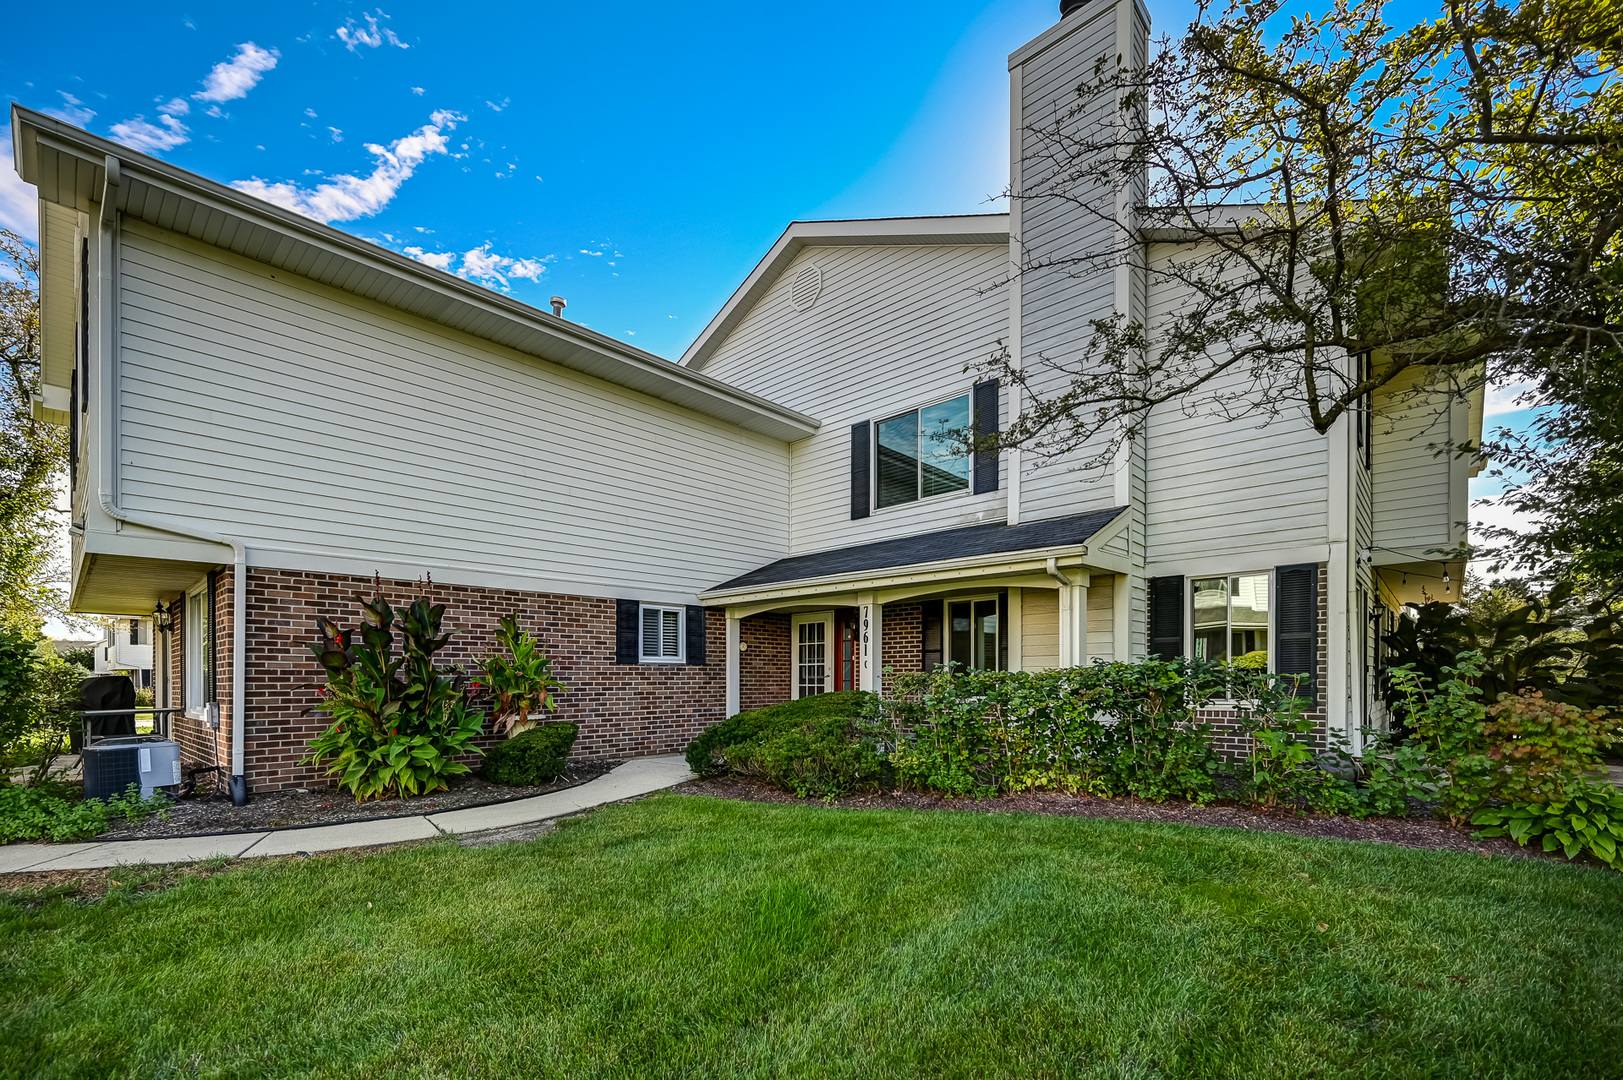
{"x":829,"y":659}
{"x":873,"y":456}
{"x":192,"y":682}
{"x":681,"y":656}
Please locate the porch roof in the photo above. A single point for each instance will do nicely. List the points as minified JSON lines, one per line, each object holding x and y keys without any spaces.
{"x":974,"y":541}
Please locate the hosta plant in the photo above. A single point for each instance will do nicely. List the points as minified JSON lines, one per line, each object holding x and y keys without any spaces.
{"x":521,"y":684}
{"x":398,"y":723}
{"x":1589,"y":821}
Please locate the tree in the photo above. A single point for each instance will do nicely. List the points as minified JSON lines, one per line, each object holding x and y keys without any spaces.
{"x":1358,"y":201}
{"x":32,"y":453}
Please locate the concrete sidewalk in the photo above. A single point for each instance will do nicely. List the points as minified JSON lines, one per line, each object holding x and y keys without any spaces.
{"x":637,"y":777}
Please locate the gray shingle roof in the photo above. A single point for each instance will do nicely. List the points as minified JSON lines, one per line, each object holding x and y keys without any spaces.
{"x":907,"y":551}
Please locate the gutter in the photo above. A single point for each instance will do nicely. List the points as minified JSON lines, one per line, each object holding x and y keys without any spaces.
{"x":109,"y":506}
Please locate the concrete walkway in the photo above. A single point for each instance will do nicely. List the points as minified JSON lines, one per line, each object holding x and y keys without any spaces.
{"x":637,"y":777}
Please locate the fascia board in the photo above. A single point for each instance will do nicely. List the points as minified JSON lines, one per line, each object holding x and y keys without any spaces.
{"x":1031,"y":561}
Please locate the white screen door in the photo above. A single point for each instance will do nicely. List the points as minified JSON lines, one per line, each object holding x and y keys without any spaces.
{"x":813,"y":638}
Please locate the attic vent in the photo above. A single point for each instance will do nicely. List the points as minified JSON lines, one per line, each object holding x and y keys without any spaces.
{"x":804,"y":289}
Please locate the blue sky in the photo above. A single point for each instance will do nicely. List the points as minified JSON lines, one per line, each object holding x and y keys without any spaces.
{"x":635,"y":158}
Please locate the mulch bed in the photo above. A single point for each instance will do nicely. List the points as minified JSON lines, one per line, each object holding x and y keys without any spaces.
{"x":207,"y":814}
{"x":1406,"y":832}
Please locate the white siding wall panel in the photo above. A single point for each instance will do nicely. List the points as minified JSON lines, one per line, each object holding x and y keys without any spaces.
{"x":1410,"y":493}
{"x":1039,"y":629}
{"x":304,"y":420}
{"x":1060,"y":297}
{"x":894,"y":327}
{"x":1218,"y":487}
{"x":1101,"y":616}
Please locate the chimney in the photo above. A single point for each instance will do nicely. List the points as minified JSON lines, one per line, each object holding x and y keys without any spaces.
{"x":558,"y":305}
{"x":1068,"y":6}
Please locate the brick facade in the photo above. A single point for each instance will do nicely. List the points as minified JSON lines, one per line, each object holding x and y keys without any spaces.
{"x":763,"y":668}
{"x":624,"y":710}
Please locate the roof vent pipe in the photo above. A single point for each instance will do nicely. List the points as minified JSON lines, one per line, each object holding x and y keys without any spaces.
{"x":558,"y":305}
{"x":1068,"y":6}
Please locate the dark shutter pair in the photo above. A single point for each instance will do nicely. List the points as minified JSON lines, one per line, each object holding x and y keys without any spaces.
{"x":1296,"y":622}
{"x":628,"y":633}
{"x":983,"y":405}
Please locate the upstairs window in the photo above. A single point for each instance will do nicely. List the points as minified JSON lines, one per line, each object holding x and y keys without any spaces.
{"x":662,"y":634}
{"x":918,"y":456}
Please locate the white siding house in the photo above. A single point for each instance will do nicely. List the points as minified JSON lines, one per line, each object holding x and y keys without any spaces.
{"x":269,"y":415}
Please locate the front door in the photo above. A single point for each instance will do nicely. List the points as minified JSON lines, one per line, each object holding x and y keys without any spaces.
{"x":813,"y":639}
{"x":845,"y":650}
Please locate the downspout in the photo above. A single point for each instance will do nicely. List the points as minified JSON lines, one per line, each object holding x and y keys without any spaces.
{"x":239,"y":553}
{"x":1056,"y":573}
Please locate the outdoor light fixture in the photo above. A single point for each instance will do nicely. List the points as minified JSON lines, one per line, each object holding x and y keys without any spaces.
{"x":160,"y":618}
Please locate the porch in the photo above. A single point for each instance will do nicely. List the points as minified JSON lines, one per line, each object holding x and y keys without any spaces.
{"x":1029,"y":597}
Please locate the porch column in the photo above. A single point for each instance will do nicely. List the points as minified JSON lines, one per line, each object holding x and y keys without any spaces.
{"x":733,"y":642}
{"x":870,"y":627}
{"x":1073,"y":623}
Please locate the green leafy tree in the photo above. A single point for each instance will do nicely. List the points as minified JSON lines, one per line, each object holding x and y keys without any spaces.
{"x":32,"y":453}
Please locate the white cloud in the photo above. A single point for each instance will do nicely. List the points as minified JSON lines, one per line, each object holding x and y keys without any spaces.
{"x":149,"y":138}
{"x":1501,"y":400}
{"x":439,"y":260}
{"x":505,"y":102}
{"x":311,"y":113}
{"x":484,"y":265}
{"x":583,"y":251}
{"x":337,"y":134}
{"x":346,"y":197}
{"x":72,"y":110}
{"x":19,"y":202}
{"x":176,"y":107}
{"x":371,"y":35}
{"x":233,"y":78}
{"x":418,"y":90}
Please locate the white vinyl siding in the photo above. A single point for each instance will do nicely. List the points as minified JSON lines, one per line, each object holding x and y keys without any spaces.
{"x":1102,"y":616}
{"x":1410,"y":478}
{"x":1058,"y":299}
{"x":893,"y":328}
{"x":323,"y":429}
{"x":1039,"y":629}
{"x":1219,"y":487}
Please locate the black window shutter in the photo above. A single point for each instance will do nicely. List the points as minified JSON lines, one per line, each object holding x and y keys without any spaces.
{"x":985,"y":423}
{"x":627,"y":631}
{"x":861,"y":444}
{"x":695,"y":631}
{"x":1166,"y":618}
{"x":1296,"y":625}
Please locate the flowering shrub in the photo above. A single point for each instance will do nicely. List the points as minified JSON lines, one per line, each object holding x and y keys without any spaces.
{"x":398,"y":723}
{"x":521,"y":682}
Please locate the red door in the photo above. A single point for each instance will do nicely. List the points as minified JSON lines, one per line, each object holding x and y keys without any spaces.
{"x":845,"y":651}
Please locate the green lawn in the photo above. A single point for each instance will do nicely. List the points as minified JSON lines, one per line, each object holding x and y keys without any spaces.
{"x":694,"y":937}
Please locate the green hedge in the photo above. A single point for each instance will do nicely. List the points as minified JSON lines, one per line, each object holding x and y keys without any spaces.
{"x":813,"y":746}
{"x":534,"y":757}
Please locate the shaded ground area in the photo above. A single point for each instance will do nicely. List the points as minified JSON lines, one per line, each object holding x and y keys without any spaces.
{"x":1416,"y":832}
{"x":705,"y":937}
{"x":329,"y":806}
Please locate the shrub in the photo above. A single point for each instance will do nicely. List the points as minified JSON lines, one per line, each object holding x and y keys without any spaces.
{"x":531,"y":757}
{"x":812,"y":746}
{"x":1396,"y":770}
{"x":1589,"y":820}
{"x":521,"y":682}
{"x":1543,"y":747}
{"x":19,"y":663}
{"x":398,"y":724}
{"x":59,"y":812}
{"x":1446,"y":718}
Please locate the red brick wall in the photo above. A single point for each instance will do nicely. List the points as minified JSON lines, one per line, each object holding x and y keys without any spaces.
{"x":901,"y":638}
{"x":764,"y":667}
{"x":623,"y":710}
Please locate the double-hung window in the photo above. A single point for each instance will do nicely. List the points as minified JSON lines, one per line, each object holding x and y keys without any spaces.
{"x":1229,"y":619}
{"x":662,"y":634}
{"x":197,"y":657}
{"x":921,"y":453}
